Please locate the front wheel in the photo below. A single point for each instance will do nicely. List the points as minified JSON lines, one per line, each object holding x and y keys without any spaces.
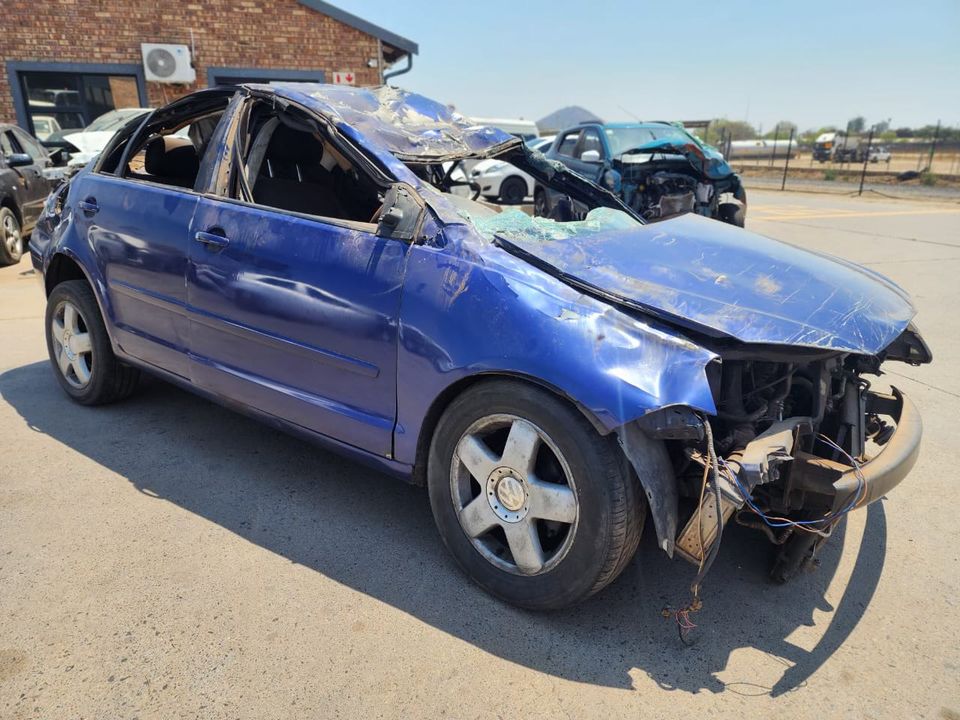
{"x":535,"y":506}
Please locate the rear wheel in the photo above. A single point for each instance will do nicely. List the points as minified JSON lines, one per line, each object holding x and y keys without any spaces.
{"x":535,"y":506}
{"x":513,"y":190}
{"x":11,"y":238}
{"x":79,"y":348}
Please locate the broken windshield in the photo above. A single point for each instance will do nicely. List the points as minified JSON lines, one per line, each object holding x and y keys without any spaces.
{"x":514,"y":224}
{"x":622,"y":139}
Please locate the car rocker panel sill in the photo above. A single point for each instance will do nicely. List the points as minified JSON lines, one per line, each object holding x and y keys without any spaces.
{"x":218,"y":322}
{"x":366,"y":419}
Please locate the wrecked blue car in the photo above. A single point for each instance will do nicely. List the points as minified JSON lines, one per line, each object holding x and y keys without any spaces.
{"x":294,"y":252}
{"x":658,"y":169}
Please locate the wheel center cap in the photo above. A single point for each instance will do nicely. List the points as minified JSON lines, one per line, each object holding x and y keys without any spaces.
{"x":68,"y":344}
{"x":507,"y":494}
{"x":510,"y":493}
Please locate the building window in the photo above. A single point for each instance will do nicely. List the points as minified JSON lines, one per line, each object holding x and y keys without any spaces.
{"x":56,"y":98}
{"x":238,"y":76}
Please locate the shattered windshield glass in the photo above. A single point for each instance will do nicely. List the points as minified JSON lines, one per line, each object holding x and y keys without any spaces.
{"x":622,"y":139}
{"x":514,"y":224}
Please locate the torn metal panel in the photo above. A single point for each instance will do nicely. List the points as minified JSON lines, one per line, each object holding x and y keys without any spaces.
{"x":724,"y":281}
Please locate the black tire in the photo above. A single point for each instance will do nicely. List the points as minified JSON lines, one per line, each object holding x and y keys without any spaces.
{"x":732,"y":213}
{"x":11,"y":237}
{"x":513,"y":190}
{"x":109,"y":379}
{"x":541,"y":206}
{"x":610,"y":505}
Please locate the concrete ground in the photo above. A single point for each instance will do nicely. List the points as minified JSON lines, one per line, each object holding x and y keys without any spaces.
{"x":167,"y":558}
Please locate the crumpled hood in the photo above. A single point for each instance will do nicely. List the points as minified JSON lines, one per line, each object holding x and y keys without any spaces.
{"x":724,"y":280}
{"x":409,"y":126}
{"x":705,"y":159}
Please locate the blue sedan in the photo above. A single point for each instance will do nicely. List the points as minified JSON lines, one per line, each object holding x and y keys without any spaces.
{"x":296,"y":253}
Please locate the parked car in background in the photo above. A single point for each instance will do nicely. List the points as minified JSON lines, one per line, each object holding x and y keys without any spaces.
{"x":498,"y":180}
{"x":296,"y":255}
{"x":658,"y":169}
{"x":24,"y":185}
{"x":45,"y":126}
{"x":523,"y":129}
{"x":879,"y":154}
{"x":87,"y":143}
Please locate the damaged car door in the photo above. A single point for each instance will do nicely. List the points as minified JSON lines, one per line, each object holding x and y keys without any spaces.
{"x":293,"y":288}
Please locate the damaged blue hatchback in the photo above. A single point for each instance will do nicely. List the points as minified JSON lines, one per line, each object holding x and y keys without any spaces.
{"x":294,"y":251}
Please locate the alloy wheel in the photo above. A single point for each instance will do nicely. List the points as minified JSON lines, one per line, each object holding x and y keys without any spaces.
{"x":72,"y":344}
{"x":514,"y":494}
{"x":11,"y":235}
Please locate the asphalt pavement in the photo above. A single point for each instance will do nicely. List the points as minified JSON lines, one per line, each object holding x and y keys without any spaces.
{"x":167,"y":558}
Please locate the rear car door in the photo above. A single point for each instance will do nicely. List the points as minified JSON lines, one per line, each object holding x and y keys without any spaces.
{"x":35,"y":186}
{"x":137,"y":218}
{"x":293,"y":307}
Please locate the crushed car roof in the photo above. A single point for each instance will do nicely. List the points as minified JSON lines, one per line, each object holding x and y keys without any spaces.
{"x":409,"y":126}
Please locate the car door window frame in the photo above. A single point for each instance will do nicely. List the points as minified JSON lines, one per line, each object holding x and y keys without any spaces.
{"x":135,"y":135}
{"x":30,"y":146}
{"x":230,"y":172}
{"x":579,"y":149}
{"x":576,"y":144}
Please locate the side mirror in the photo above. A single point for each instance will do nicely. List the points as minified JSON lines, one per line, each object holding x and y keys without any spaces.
{"x":400,"y":214}
{"x":18,"y":160}
{"x":590,"y":156}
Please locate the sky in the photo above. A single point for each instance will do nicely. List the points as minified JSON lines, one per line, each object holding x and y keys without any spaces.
{"x":814,"y":63}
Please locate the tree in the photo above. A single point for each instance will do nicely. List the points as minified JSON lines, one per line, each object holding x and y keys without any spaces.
{"x":782,"y":130}
{"x":723,"y":129}
{"x":856,"y":125}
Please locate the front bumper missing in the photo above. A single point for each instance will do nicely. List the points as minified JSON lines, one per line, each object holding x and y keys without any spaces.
{"x":826,"y":484}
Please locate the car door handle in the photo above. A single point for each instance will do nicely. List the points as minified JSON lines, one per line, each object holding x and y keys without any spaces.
{"x":213,"y":241}
{"x":89,"y":206}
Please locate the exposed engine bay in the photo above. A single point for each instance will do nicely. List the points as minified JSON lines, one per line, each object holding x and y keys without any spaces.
{"x":661,"y":189}
{"x":786,"y":453}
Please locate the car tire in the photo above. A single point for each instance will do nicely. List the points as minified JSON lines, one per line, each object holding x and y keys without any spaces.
{"x":513,"y":190}
{"x":536,"y":456}
{"x":732,"y":213}
{"x":541,"y":206}
{"x":79,"y":348}
{"x":11,"y":237}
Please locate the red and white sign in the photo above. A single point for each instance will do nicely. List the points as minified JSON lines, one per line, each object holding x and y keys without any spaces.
{"x":344,"y":77}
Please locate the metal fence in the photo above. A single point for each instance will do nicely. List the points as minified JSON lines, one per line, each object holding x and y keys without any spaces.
{"x":899,"y":168}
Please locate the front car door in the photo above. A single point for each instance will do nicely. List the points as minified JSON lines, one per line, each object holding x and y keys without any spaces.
{"x":34,"y":186}
{"x":294,"y":295}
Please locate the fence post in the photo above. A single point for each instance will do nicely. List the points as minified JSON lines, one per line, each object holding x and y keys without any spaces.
{"x":783,"y":185}
{"x":936,"y":136}
{"x":866,"y":159}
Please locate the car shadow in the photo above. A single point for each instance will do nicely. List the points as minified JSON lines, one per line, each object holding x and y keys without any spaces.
{"x":376,"y":535}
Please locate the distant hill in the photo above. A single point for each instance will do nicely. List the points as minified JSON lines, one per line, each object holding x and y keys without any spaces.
{"x":564,"y":118}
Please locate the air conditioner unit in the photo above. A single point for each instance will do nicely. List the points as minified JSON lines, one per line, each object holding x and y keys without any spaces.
{"x":167,"y":63}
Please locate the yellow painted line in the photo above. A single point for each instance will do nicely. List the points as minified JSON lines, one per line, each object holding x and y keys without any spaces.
{"x":846,"y":214}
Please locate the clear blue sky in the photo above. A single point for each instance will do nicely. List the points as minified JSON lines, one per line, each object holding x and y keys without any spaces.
{"x":815,"y":63}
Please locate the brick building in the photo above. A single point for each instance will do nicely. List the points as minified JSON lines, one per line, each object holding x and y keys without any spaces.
{"x":65,"y":62}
